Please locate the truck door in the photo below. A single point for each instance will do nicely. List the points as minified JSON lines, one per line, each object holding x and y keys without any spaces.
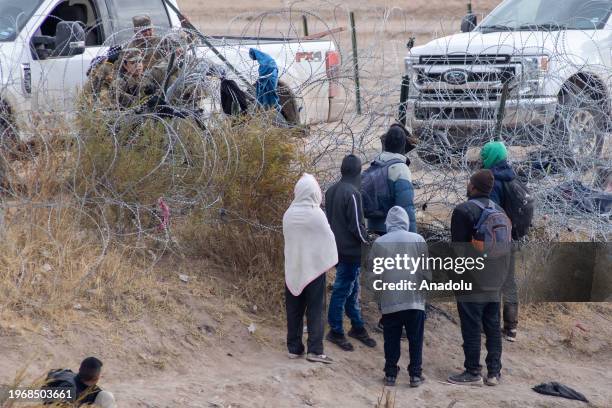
{"x":60,"y":58}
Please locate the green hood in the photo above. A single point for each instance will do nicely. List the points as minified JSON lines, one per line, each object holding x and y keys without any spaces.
{"x":493,"y":153}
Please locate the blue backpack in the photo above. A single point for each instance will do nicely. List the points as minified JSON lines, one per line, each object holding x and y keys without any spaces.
{"x":493,"y":231}
{"x":375,"y":192}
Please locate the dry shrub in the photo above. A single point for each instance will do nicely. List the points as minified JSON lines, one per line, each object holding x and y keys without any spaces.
{"x":126,"y":164}
{"x":242,"y":233}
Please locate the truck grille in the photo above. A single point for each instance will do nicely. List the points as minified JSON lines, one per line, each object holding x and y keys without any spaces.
{"x":446,"y":95}
{"x":496,"y":75}
{"x":464,"y":59}
{"x":455,"y":113}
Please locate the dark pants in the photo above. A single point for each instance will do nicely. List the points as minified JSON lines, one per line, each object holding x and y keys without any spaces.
{"x":311,"y":302}
{"x":393,"y":324}
{"x":476,"y":317}
{"x":345,"y":298}
{"x":510,"y":296}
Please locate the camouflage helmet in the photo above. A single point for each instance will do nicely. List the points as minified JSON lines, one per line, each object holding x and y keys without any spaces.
{"x":142,"y":22}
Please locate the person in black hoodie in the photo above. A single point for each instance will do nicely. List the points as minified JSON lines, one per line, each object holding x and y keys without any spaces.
{"x":344,"y":212}
{"x":494,"y":156}
{"x":479,"y":309}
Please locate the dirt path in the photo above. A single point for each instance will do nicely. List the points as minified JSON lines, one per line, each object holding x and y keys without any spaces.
{"x":210,"y":360}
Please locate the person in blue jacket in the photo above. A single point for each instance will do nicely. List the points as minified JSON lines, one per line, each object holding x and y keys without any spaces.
{"x":399,"y":177}
{"x":267,"y":83}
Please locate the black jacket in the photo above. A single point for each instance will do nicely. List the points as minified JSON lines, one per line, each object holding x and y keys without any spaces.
{"x":344,"y":212}
{"x":488,"y":281}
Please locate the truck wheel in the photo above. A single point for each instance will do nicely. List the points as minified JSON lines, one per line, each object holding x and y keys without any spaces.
{"x":288,"y":103}
{"x":9,"y":142}
{"x":580,"y":124}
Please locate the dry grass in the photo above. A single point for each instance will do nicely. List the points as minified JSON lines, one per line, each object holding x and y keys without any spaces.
{"x":242,"y":234}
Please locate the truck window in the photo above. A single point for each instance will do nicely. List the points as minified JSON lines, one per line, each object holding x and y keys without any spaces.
{"x":550,"y":14}
{"x":14,"y":15}
{"x":124,"y":10}
{"x":83,"y":11}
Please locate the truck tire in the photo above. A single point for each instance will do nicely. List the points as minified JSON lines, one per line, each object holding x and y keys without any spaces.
{"x":580,"y":123}
{"x":9,"y":143}
{"x":289,"y":107}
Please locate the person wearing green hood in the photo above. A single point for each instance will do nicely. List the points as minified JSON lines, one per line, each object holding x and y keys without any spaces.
{"x":494,"y":156}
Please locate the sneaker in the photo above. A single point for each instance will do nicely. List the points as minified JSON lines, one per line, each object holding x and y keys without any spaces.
{"x":492,"y":380}
{"x":416,"y":381}
{"x":363,"y":336}
{"x":339,"y":340}
{"x":465,"y":378}
{"x":390,"y":381}
{"x":319,"y":358}
{"x":509,"y":334}
{"x":293,"y":356}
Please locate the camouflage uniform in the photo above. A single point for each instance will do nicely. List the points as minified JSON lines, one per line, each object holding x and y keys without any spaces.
{"x":100,"y":78}
{"x":127,"y":90}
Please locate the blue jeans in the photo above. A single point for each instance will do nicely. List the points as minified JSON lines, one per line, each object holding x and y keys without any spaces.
{"x":345,"y":298}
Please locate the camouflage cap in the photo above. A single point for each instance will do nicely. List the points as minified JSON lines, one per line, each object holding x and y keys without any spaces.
{"x":132,"y":55}
{"x":141,"y":22}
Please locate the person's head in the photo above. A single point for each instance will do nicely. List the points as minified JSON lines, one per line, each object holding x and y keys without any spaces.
{"x":307,"y":191}
{"x":481,"y":184}
{"x":132,"y":63}
{"x":351,"y":166}
{"x":394,"y":141}
{"x":492,"y":154}
{"x":394,"y":132}
{"x":397,"y":219}
{"x":143,"y":26}
{"x":89,"y":371}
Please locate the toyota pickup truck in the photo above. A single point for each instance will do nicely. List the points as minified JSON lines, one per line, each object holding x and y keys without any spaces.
{"x":553,"y":56}
{"x":44,"y":57}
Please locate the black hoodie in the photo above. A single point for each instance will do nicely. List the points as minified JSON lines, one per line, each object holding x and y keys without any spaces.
{"x":345,"y":213}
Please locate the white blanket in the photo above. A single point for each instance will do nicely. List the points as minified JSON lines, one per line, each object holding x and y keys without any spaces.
{"x":310,"y":246}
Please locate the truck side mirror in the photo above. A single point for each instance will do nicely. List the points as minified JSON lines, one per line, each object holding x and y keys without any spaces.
{"x":69,"y":39}
{"x":469,"y":22}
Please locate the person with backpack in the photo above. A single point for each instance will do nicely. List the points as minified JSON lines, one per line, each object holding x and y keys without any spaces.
{"x":388,"y":182}
{"x":344,"y":212}
{"x":400,"y":308}
{"x":83,"y":385}
{"x":310,"y":251}
{"x":513,"y":196}
{"x":481,"y":227}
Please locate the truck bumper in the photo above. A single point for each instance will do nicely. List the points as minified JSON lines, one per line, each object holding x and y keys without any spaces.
{"x":480,"y":114}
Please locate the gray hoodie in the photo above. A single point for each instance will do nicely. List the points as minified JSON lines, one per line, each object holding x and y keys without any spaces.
{"x":398,"y":241}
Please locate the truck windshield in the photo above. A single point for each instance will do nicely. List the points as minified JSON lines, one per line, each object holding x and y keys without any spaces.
{"x":14,"y":15}
{"x":548,"y":15}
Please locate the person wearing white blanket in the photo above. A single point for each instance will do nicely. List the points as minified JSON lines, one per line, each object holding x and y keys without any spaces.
{"x":310,"y":251}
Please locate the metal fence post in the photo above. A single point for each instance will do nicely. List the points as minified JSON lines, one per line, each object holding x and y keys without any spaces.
{"x":355,"y":63}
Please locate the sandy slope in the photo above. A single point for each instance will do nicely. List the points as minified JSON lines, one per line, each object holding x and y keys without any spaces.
{"x":202,"y":355}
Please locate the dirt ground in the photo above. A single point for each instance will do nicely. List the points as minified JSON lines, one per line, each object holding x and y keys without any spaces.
{"x":202,"y":355}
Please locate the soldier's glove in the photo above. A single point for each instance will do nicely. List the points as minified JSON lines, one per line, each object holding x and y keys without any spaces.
{"x":113,"y":54}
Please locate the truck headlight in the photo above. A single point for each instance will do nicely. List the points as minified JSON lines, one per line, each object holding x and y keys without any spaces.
{"x":534,"y":67}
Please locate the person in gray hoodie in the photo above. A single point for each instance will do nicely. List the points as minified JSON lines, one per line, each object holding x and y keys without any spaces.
{"x":401,"y":307}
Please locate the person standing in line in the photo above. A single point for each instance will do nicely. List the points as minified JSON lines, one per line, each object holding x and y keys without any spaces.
{"x":310,"y":251}
{"x":401,"y":309}
{"x":344,"y":211}
{"x":479,"y":310}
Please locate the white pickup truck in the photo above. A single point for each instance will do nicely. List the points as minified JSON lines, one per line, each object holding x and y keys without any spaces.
{"x":42,"y":66}
{"x":555,"y":57}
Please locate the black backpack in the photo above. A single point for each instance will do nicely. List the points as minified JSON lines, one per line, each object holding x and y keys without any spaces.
{"x":376,"y":195}
{"x":519,"y":205}
{"x":66,"y":379}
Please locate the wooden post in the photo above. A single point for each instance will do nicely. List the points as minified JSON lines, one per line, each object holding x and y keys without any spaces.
{"x":355,"y":63}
